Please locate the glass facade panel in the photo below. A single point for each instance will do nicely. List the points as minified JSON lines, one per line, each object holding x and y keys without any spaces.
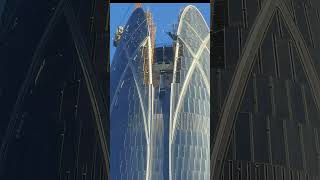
{"x":193,"y":79}
{"x":128,"y":135}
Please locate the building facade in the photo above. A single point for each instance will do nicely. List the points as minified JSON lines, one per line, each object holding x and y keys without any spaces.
{"x":53,"y":90}
{"x":265,"y":122}
{"x":160,"y":101}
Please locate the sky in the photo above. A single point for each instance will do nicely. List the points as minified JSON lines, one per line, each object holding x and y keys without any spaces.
{"x":164,"y":15}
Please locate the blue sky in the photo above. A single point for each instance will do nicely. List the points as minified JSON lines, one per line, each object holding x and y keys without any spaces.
{"x":164,"y":15}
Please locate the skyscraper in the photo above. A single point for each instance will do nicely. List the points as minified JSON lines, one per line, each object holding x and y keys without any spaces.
{"x":159,"y":101}
{"x":266,"y":92}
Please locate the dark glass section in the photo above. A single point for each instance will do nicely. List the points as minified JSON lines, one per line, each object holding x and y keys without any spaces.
{"x":243,"y":137}
{"x":296,"y":102}
{"x":294,"y":145}
{"x":232,"y":52}
{"x":264,"y":94}
{"x":310,"y":148}
{"x":248,"y":99}
{"x":284,"y":65}
{"x":22,"y":25}
{"x":260,"y":139}
{"x":277,"y":91}
{"x":267,"y":53}
{"x":281,"y":97}
{"x":235,"y":13}
{"x":217,"y":49}
{"x":225,"y":82}
{"x":277,"y":142}
{"x":217,"y":99}
{"x":52,"y":91}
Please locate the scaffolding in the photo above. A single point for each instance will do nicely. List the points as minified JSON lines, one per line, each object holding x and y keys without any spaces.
{"x":117,"y":36}
{"x":146,"y":50}
{"x":146,"y":64}
{"x":152,"y":30}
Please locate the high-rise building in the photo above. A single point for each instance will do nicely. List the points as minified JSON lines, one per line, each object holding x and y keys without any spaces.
{"x":159,"y":105}
{"x":266,"y":90}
